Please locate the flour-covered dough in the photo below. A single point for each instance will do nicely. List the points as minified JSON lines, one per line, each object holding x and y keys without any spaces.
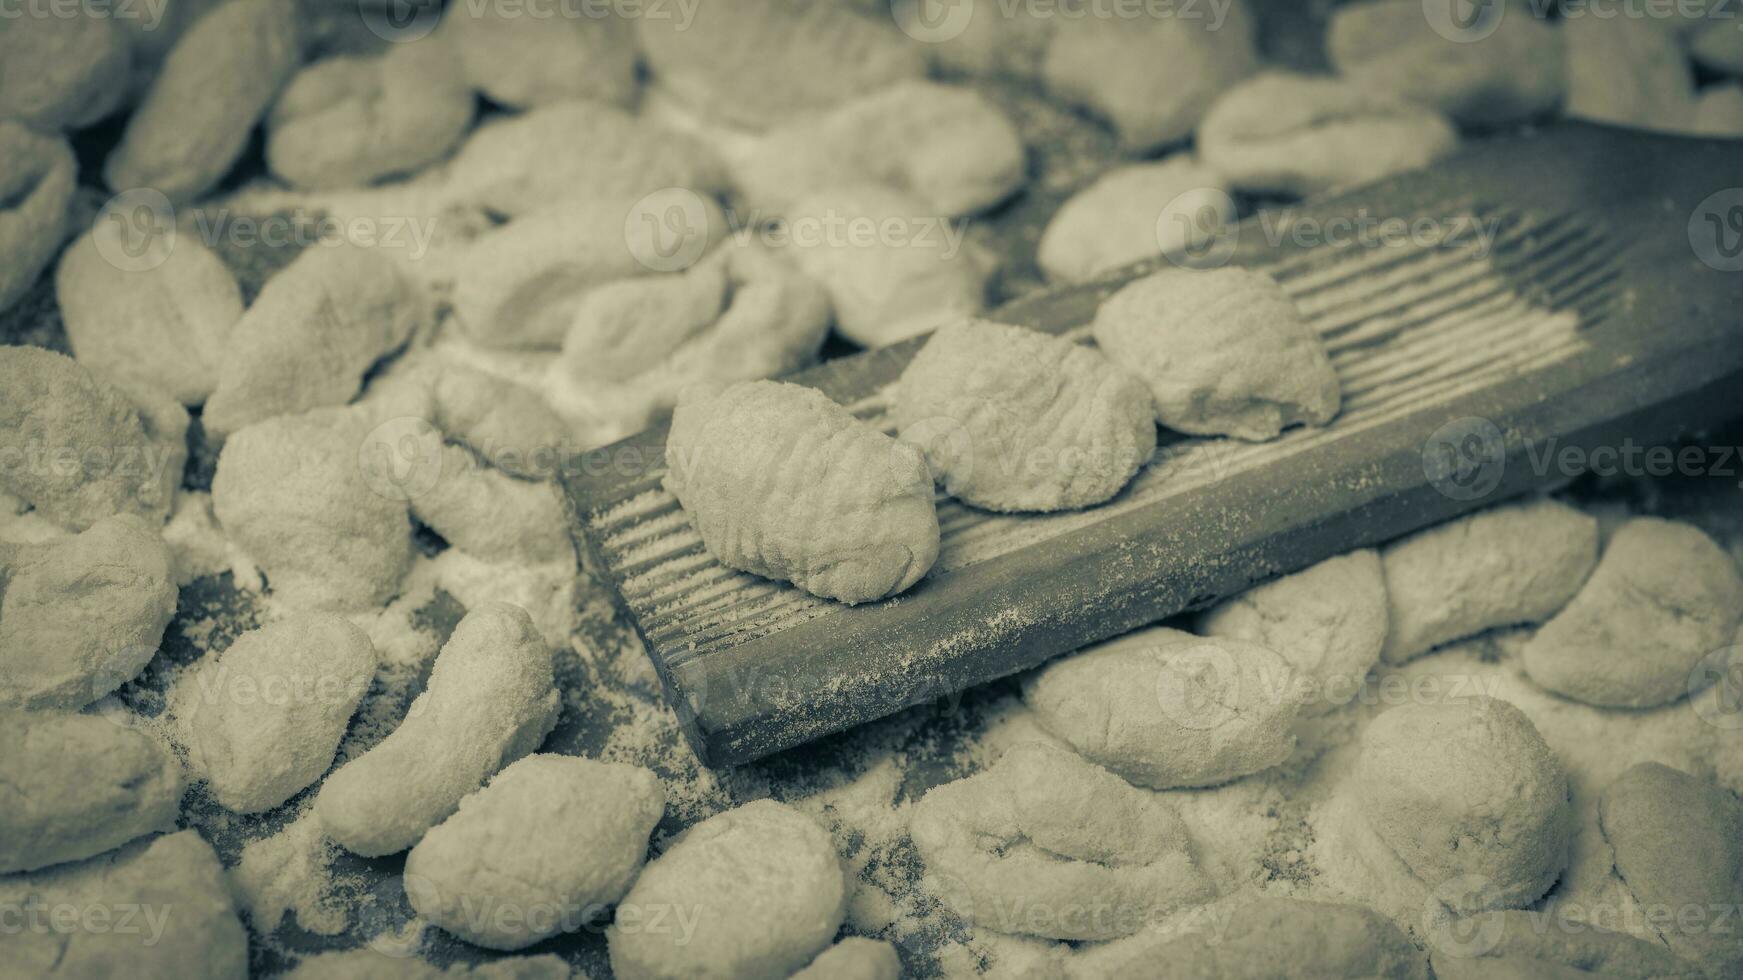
{"x":784,"y":483}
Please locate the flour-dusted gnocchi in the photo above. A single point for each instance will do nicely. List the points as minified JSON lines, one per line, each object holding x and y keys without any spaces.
{"x":290,"y":492}
{"x":1152,"y":77}
{"x":312,"y":333}
{"x":1167,"y":709}
{"x":520,"y":60}
{"x":1047,"y":844}
{"x":1329,"y":621}
{"x":550,"y":843}
{"x":37,"y":174}
{"x":350,"y":120}
{"x":62,"y":71}
{"x":78,"y":448}
{"x":1285,"y":133}
{"x":1511,"y":73}
{"x":160,"y":322}
{"x":742,"y":313}
{"x":176,"y":878}
{"x":519,"y":285}
{"x":1506,"y":566}
{"x":215,"y":85}
{"x":1467,"y":788}
{"x":1662,"y":598}
{"x":262,"y":719}
{"x":894,"y":267}
{"x":523,"y":163}
{"x":1170,"y":208}
{"x":83,"y":615}
{"x":948,"y":145}
{"x":761,"y":62}
{"x":490,"y":700}
{"x":73,"y":786}
{"x":756,"y":891}
{"x":1224,"y":351}
{"x":1016,"y":420}
{"x":1678,"y":844}
{"x":782,"y":482}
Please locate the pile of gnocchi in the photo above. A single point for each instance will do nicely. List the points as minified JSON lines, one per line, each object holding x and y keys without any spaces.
{"x":484,"y":241}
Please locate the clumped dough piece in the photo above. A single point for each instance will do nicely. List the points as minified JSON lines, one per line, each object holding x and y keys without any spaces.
{"x":1512,"y":74}
{"x":85,"y":449}
{"x":894,"y":268}
{"x":519,"y":285}
{"x":36,"y":184}
{"x":533,"y":160}
{"x":1718,"y":46}
{"x":291,"y":493}
{"x":1509,"y":565}
{"x":72,"y":786}
{"x":1629,"y":72}
{"x":1012,"y":419}
{"x":312,"y":333}
{"x":1166,"y":709}
{"x":1719,"y":111}
{"x":784,"y":483}
{"x":62,"y":70}
{"x":1535,"y":945}
{"x":490,"y":700}
{"x":520,"y":60}
{"x":1046,"y":844}
{"x":1270,"y":938}
{"x":1152,"y":77}
{"x":1283,"y":133}
{"x":262,"y":720}
{"x":551,"y":838}
{"x":741,"y":314}
{"x":177,"y":878}
{"x":491,"y":515}
{"x":215,"y":85}
{"x":83,"y":615}
{"x":854,"y":958}
{"x":351,"y":120}
{"x":1135,"y":212}
{"x":1224,"y":351}
{"x":762,"y":885}
{"x":1678,"y":844}
{"x":757,"y":63}
{"x":1663,"y":596}
{"x":367,"y":964}
{"x":947,"y":145}
{"x":507,"y":425}
{"x":1329,"y":621}
{"x":161,"y":324}
{"x":1468,"y":789}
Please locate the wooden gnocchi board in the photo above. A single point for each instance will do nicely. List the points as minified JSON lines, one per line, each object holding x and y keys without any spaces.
{"x":1493,"y":320}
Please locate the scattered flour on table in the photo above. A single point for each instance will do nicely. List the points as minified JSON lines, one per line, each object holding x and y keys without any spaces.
{"x":290,"y":871}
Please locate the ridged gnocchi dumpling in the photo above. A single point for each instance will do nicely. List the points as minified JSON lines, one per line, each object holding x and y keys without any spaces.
{"x":1016,"y":420}
{"x":784,"y":483}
